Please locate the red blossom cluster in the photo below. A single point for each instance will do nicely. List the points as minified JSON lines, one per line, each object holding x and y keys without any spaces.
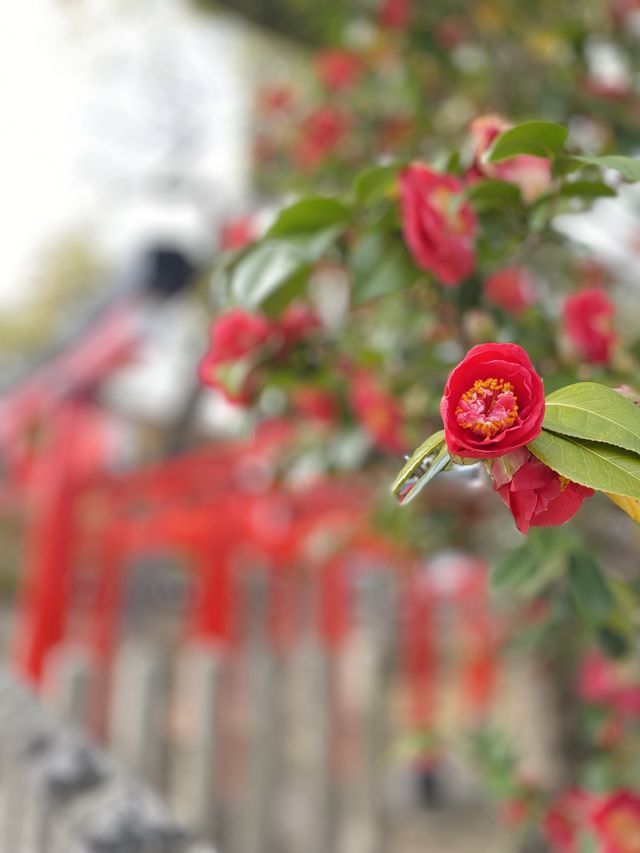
{"x":612,"y":821}
{"x":242,"y":340}
{"x":378,"y":412}
{"x":439,"y":227}
{"x":338,"y":70}
{"x":321,"y":134}
{"x":492,"y":407}
{"x":588,"y":324}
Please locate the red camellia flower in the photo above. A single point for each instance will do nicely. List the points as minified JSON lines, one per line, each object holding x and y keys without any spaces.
{"x":617,"y":823}
{"x":321,"y":134}
{"x":510,"y":289}
{"x":563,"y":820}
{"x":439,"y":228}
{"x":316,"y":404}
{"x":296,"y":323}
{"x":275,"y":99}
{"x":235,"y":335}
{"x":536,"y":495}
{"x":338,"y":70}
{"x":531,"y":174}
{"x":601,"y":683}
{"x":378,"y":413}
{"x":493,"y":402}
{"x":588,"y":317}
{"x":395,"y":14}
{"x":238,"y":233}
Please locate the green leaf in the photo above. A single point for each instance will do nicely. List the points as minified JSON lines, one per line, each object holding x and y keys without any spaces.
{"x":287,"y":291}
{"x":539,"y":138}
{"x":614,"y":643}
{"x":590,"y":463}
{"x":262,"y":271}
{"x":493,"y":194}
{"x":380,"y":264}
{"x":595,"y":412}
{"x":629,"y":167}
{"x":372,"y":185}
{"x":587,"y":189}
{"x":589,"y":589}
{"x":416,"y":465}
{"x":412,"y":487}
{"x":309,"y":214}
{"x":271,"y":266}
{"x":515,"y":570}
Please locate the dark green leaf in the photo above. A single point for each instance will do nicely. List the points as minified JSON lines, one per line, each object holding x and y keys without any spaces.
{"x":375,"y":183}
{"x":262,"y":271}
{"x":539,"y":138}
{"x":485,"y":195}
{"x":516,"y":569}
{"x":587,"y":189}
{"x":287,"y":291}
{"x":309,"y":214}
{"x":614,"y":643}
{"x":380,"y":264}
{"x":589,"y":589}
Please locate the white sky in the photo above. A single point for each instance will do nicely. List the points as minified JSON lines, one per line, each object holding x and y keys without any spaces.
{"x":96,"y":98}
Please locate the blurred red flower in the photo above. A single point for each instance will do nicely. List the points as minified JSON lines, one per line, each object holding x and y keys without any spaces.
{"x":563,"y":820}
{"x":275,"y":99}
{"x":617,"y":823}
{"x":588,"y":318}
{"x":510,"y":289}
{"x":378,"y":412}
{"x":531,"y":174}
{"x":338,"y":70}
{"x":296,"y":322}
{"x":493,"y":402}
{"x":321,"y":135}
{"x":238,"y":233}
{"x":600,"y":682}
{"x":439,"y":227}
{"x":316,"y":404}
{"x":539,"y":497}
{"x":236,"y":335}
{"x":395,"y":14}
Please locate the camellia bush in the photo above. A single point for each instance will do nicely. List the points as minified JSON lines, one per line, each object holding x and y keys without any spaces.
{"x":419,"y":292}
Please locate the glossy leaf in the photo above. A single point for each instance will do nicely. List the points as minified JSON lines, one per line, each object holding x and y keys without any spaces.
{"x":273,"y":272}
{"x":628,"y":167}
{"x":418,"y":460}
{"x":485,"y":195}
{"x":590,"y":463}
{"x":587,"y":190}
{"x":309,"y":214}
{"x":589,"y":588}
{"x":379,"y":265}
{"x":372,"y":185}
{"x":593,"y":411}
{"x":262,"y":271}
{"x":539,"y":138}
{"x":515,"y":570}
{"x":413,"y":486}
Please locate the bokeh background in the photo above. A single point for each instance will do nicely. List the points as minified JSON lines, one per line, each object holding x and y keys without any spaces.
{"x":203,"y":570}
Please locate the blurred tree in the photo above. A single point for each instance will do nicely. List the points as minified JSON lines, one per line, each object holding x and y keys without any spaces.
{"x":302,"y":20}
